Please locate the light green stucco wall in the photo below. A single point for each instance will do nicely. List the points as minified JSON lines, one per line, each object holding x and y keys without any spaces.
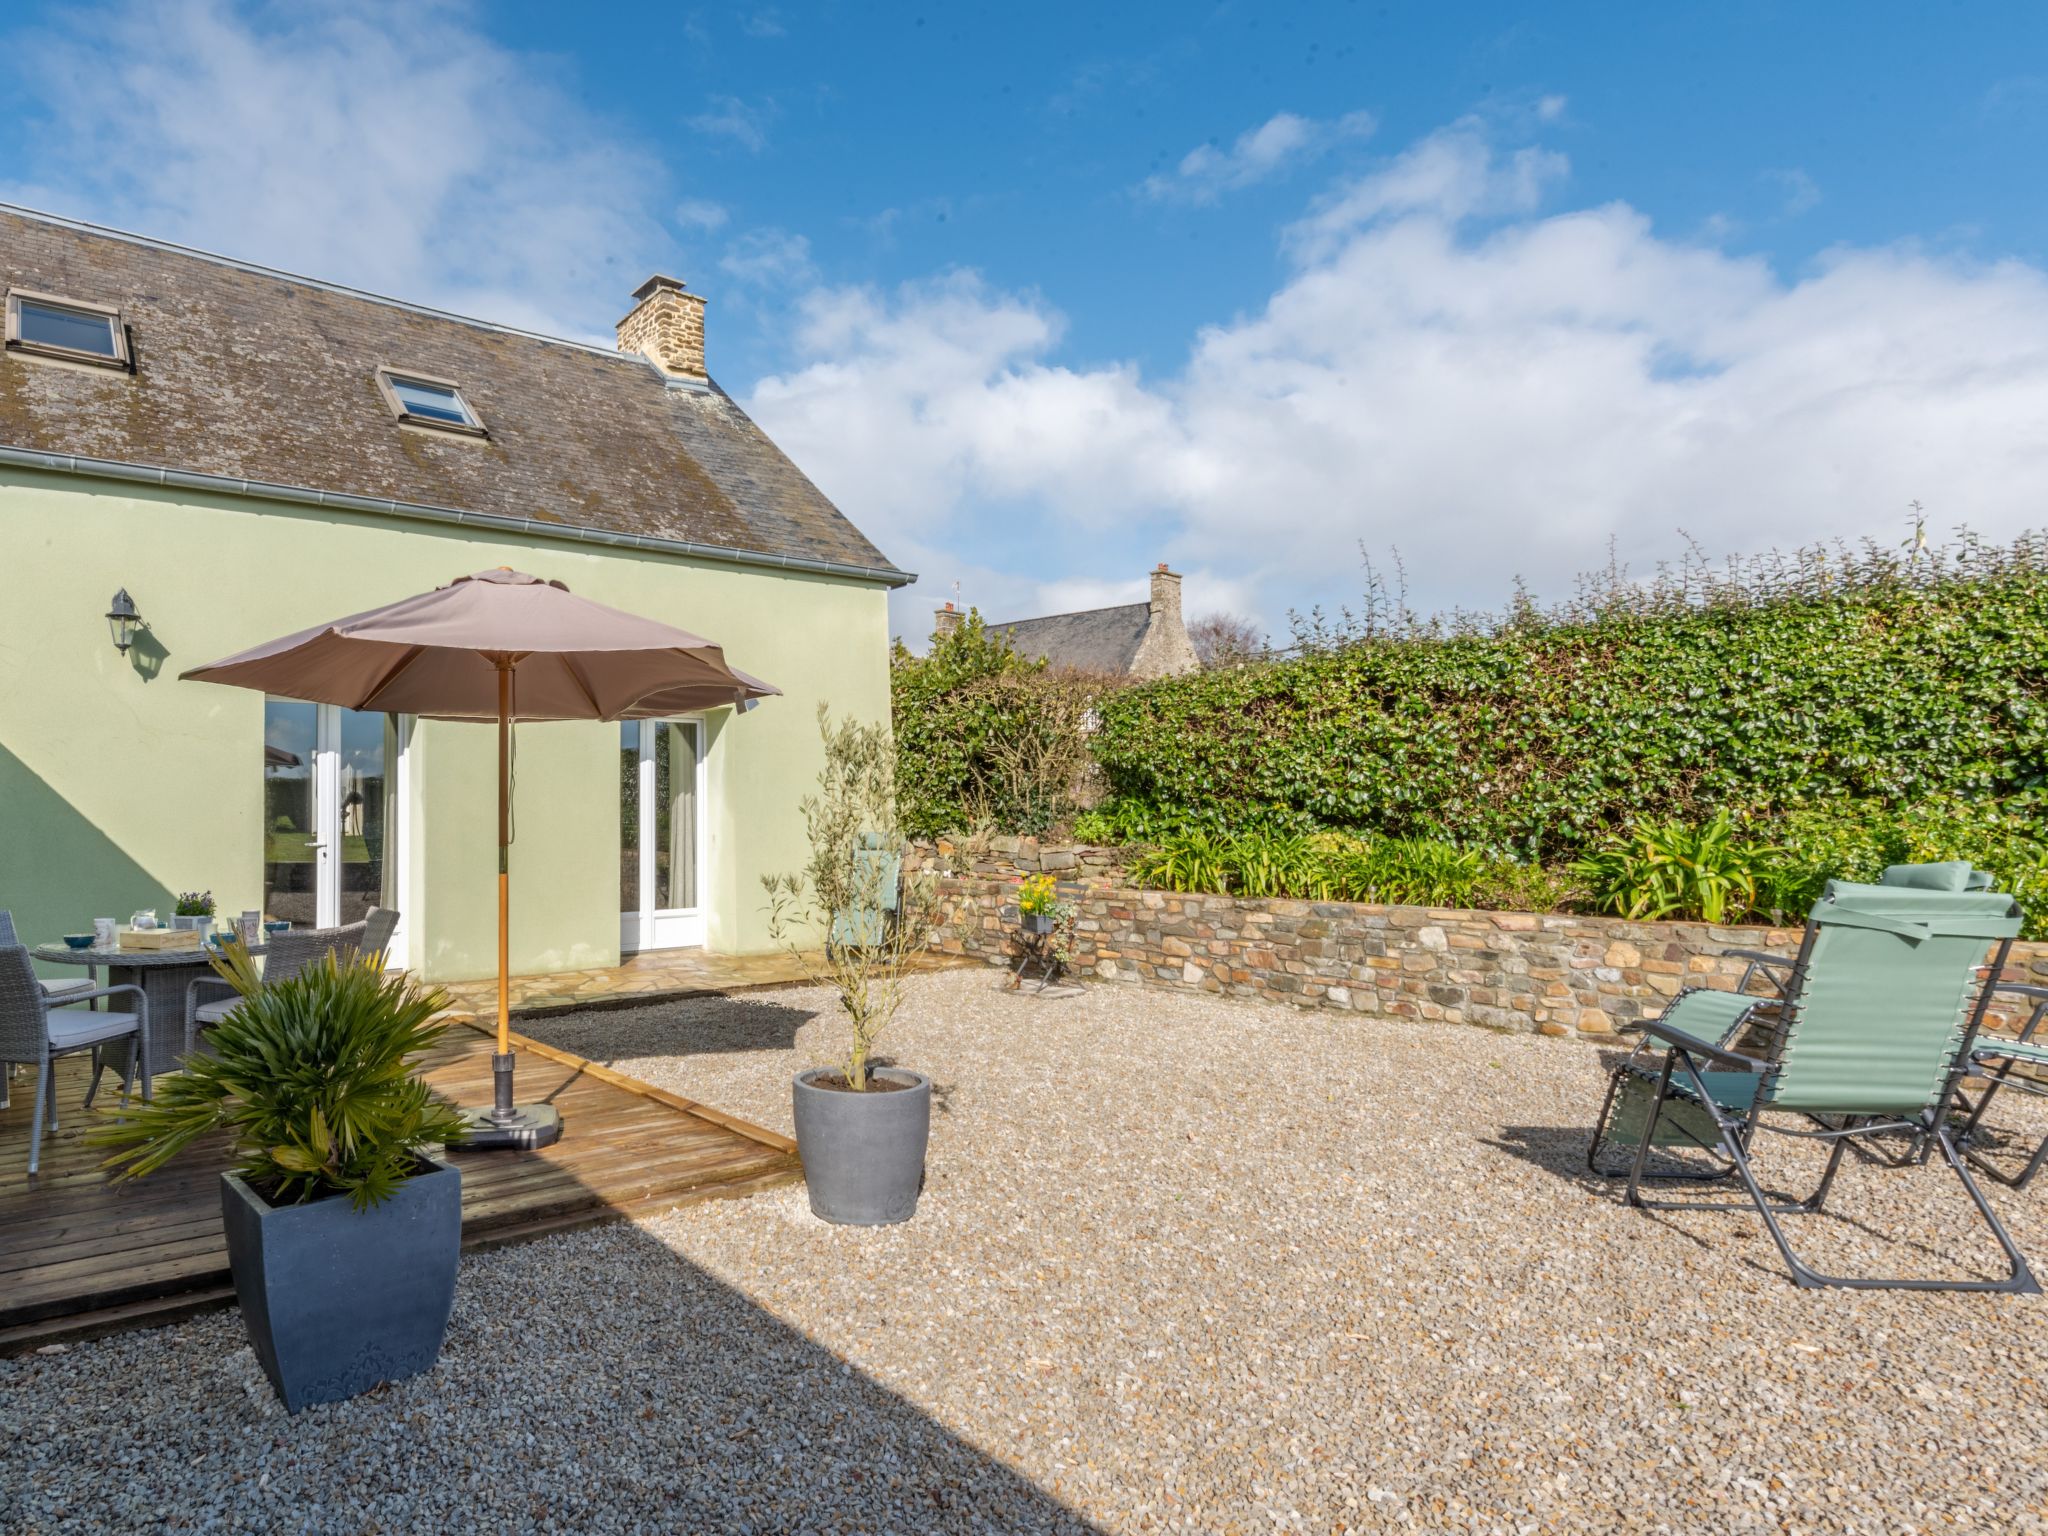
{"x":120,"y":784}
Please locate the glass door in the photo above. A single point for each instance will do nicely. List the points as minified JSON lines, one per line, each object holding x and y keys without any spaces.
{"x":332,"y":813}
{"x":661,"y":834}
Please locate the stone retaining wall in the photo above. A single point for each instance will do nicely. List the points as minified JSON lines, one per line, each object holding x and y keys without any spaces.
{"x":1553,"y":973}
{"x":1018,"y":856}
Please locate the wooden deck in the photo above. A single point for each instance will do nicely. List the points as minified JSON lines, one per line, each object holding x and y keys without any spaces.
{"x":78,"y":1258}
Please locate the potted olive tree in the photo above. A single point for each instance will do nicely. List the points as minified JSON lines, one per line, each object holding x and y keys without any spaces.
{"x":343,"y":1225}
{"x":861,"y":1129}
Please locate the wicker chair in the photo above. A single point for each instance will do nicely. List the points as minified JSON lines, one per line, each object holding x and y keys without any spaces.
{"x":58,"y":989}
{"x":35,"y":1034}
{"x":286,"y":955}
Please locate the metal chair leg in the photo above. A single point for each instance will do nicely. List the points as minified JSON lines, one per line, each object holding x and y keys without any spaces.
{"x":99,"y":1065}
{"x":35,"y":1135}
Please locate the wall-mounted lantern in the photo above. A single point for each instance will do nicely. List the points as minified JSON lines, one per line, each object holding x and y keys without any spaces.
{"x":122,"y":619}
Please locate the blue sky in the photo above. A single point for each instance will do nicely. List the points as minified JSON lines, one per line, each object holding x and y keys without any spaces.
{"x":1042,"y":294}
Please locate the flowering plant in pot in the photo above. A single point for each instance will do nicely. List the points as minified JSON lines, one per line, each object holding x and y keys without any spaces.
{"x":194,"y":910}
{"x":1037,"y":903}
{"x":343,"y":1225}
{"x":861,"y":1128}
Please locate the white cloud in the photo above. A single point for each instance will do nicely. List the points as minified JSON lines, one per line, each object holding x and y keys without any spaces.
{"x":700,"y":213}
{"x":1455,"y":173}
{"x":385,"y":145}
{"x":1206,"y":172}
{"x":769,"y":257}
{"x":728,"y":117}
{"x":1800,"y":191}
{"x":764,"y":23}
{"x":1495,"y":389}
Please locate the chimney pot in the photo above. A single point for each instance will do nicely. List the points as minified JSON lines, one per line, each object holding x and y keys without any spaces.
{"x":666,"y":325}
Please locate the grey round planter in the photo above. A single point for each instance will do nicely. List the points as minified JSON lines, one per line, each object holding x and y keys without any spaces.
{"x":337,"y":1300}
{"x":863,"y":1153}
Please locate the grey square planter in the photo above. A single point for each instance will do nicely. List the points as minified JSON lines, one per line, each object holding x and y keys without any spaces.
{"x":337,"y":1300}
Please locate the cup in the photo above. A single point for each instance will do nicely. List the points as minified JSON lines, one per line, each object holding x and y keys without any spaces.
{"x":103,"y":932}
{"x":250,"y":926}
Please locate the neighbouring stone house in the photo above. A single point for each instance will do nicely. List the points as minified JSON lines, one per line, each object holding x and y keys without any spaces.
{"x":1132,"y":640}
{"x":240,"y":452}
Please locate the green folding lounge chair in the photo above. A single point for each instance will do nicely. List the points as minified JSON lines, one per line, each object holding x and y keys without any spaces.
{"x":1871,"y":1036}
{"x":2019,"y":1064}
{"x":877,"y":884}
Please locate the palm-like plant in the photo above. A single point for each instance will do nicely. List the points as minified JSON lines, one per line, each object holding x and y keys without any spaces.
{"x":313,"y":1078}
{"x":1666,"y":869}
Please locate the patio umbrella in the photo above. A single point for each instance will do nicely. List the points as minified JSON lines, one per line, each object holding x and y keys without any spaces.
{"x":499,"y":646}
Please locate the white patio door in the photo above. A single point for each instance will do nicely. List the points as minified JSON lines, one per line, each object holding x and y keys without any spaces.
{"x":335,"y":824}
{"x":661,"y":834}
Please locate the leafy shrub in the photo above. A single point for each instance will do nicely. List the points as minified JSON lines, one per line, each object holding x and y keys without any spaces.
{"x":985,"y":737}
{"x":1855,"y":840}
{"x":1190,"y":861}
{"x":1845,"y":677}
{"x":1390,"y":871}
{"x":1662,"y":869}
{"x":313,"y":1078}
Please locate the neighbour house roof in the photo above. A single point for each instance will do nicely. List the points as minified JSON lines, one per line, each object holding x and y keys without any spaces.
{"x":1094,"y":640}
{"x":252,"y":375}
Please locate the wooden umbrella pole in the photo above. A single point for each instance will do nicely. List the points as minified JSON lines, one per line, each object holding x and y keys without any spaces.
{"x":504,"y":861}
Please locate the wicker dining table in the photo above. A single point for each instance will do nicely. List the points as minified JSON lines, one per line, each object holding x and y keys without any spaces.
{"x":163,"y":975}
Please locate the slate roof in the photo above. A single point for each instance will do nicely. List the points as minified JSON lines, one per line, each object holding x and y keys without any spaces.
{"x":257,"y":375}
{"x":1093,"y":640}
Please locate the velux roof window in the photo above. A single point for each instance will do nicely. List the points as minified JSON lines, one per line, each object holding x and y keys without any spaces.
{"x":66,"y":328}
{"x":423,"y":401}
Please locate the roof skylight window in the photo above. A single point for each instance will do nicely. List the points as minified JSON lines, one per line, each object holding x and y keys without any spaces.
{"x":423,"y":401}
{"x":66,"y":328}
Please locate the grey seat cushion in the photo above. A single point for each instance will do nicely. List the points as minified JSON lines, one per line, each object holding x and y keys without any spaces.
{"x":57,"y":986}
{"x":82,"y":1028}
{"x":213,"y":1013}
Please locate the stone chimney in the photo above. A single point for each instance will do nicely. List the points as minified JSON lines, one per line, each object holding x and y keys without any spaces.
{"x":667,"y":324}
{"x":1165,"y":592}
{"x":1165,"y":649}
{"x":946,"y":620}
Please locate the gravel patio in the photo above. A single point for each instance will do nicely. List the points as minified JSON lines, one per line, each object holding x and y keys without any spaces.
{"x":1181,"y":1265}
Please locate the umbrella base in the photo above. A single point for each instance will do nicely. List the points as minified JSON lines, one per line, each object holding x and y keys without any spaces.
{"x":528,"y":1128}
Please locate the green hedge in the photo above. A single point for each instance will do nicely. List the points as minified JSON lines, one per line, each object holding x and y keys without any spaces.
{"x":1537,"y":741}
{"x":984,"y":737}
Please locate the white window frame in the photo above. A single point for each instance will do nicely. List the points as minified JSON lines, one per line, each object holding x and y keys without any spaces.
{"x":668,"y":927}
{"x":326,"y":808}
{"x":388,"y":376}
{"x":16,"y":342}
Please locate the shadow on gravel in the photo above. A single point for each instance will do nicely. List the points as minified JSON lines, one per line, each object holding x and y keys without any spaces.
{"x":1561,"y":1151}
{"x":592,"y":1381}
{"x":623,"y":1031}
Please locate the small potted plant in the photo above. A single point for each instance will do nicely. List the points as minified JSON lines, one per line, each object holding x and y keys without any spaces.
{"x":1037,"y":903}
{"x":861,"y":1128}
{"x":194,"y":910}
{"x":343,"y":1225}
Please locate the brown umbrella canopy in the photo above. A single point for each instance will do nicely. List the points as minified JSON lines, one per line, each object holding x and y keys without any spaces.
{"x":438,"y":655}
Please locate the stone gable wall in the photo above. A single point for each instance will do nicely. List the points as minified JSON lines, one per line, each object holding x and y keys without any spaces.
{"x":1550,"y":973}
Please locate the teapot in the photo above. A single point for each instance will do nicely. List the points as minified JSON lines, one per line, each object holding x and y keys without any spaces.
{"x":143,"y":920}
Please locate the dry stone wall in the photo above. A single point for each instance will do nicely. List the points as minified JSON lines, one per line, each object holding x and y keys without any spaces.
{"x":1549,"y":973}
